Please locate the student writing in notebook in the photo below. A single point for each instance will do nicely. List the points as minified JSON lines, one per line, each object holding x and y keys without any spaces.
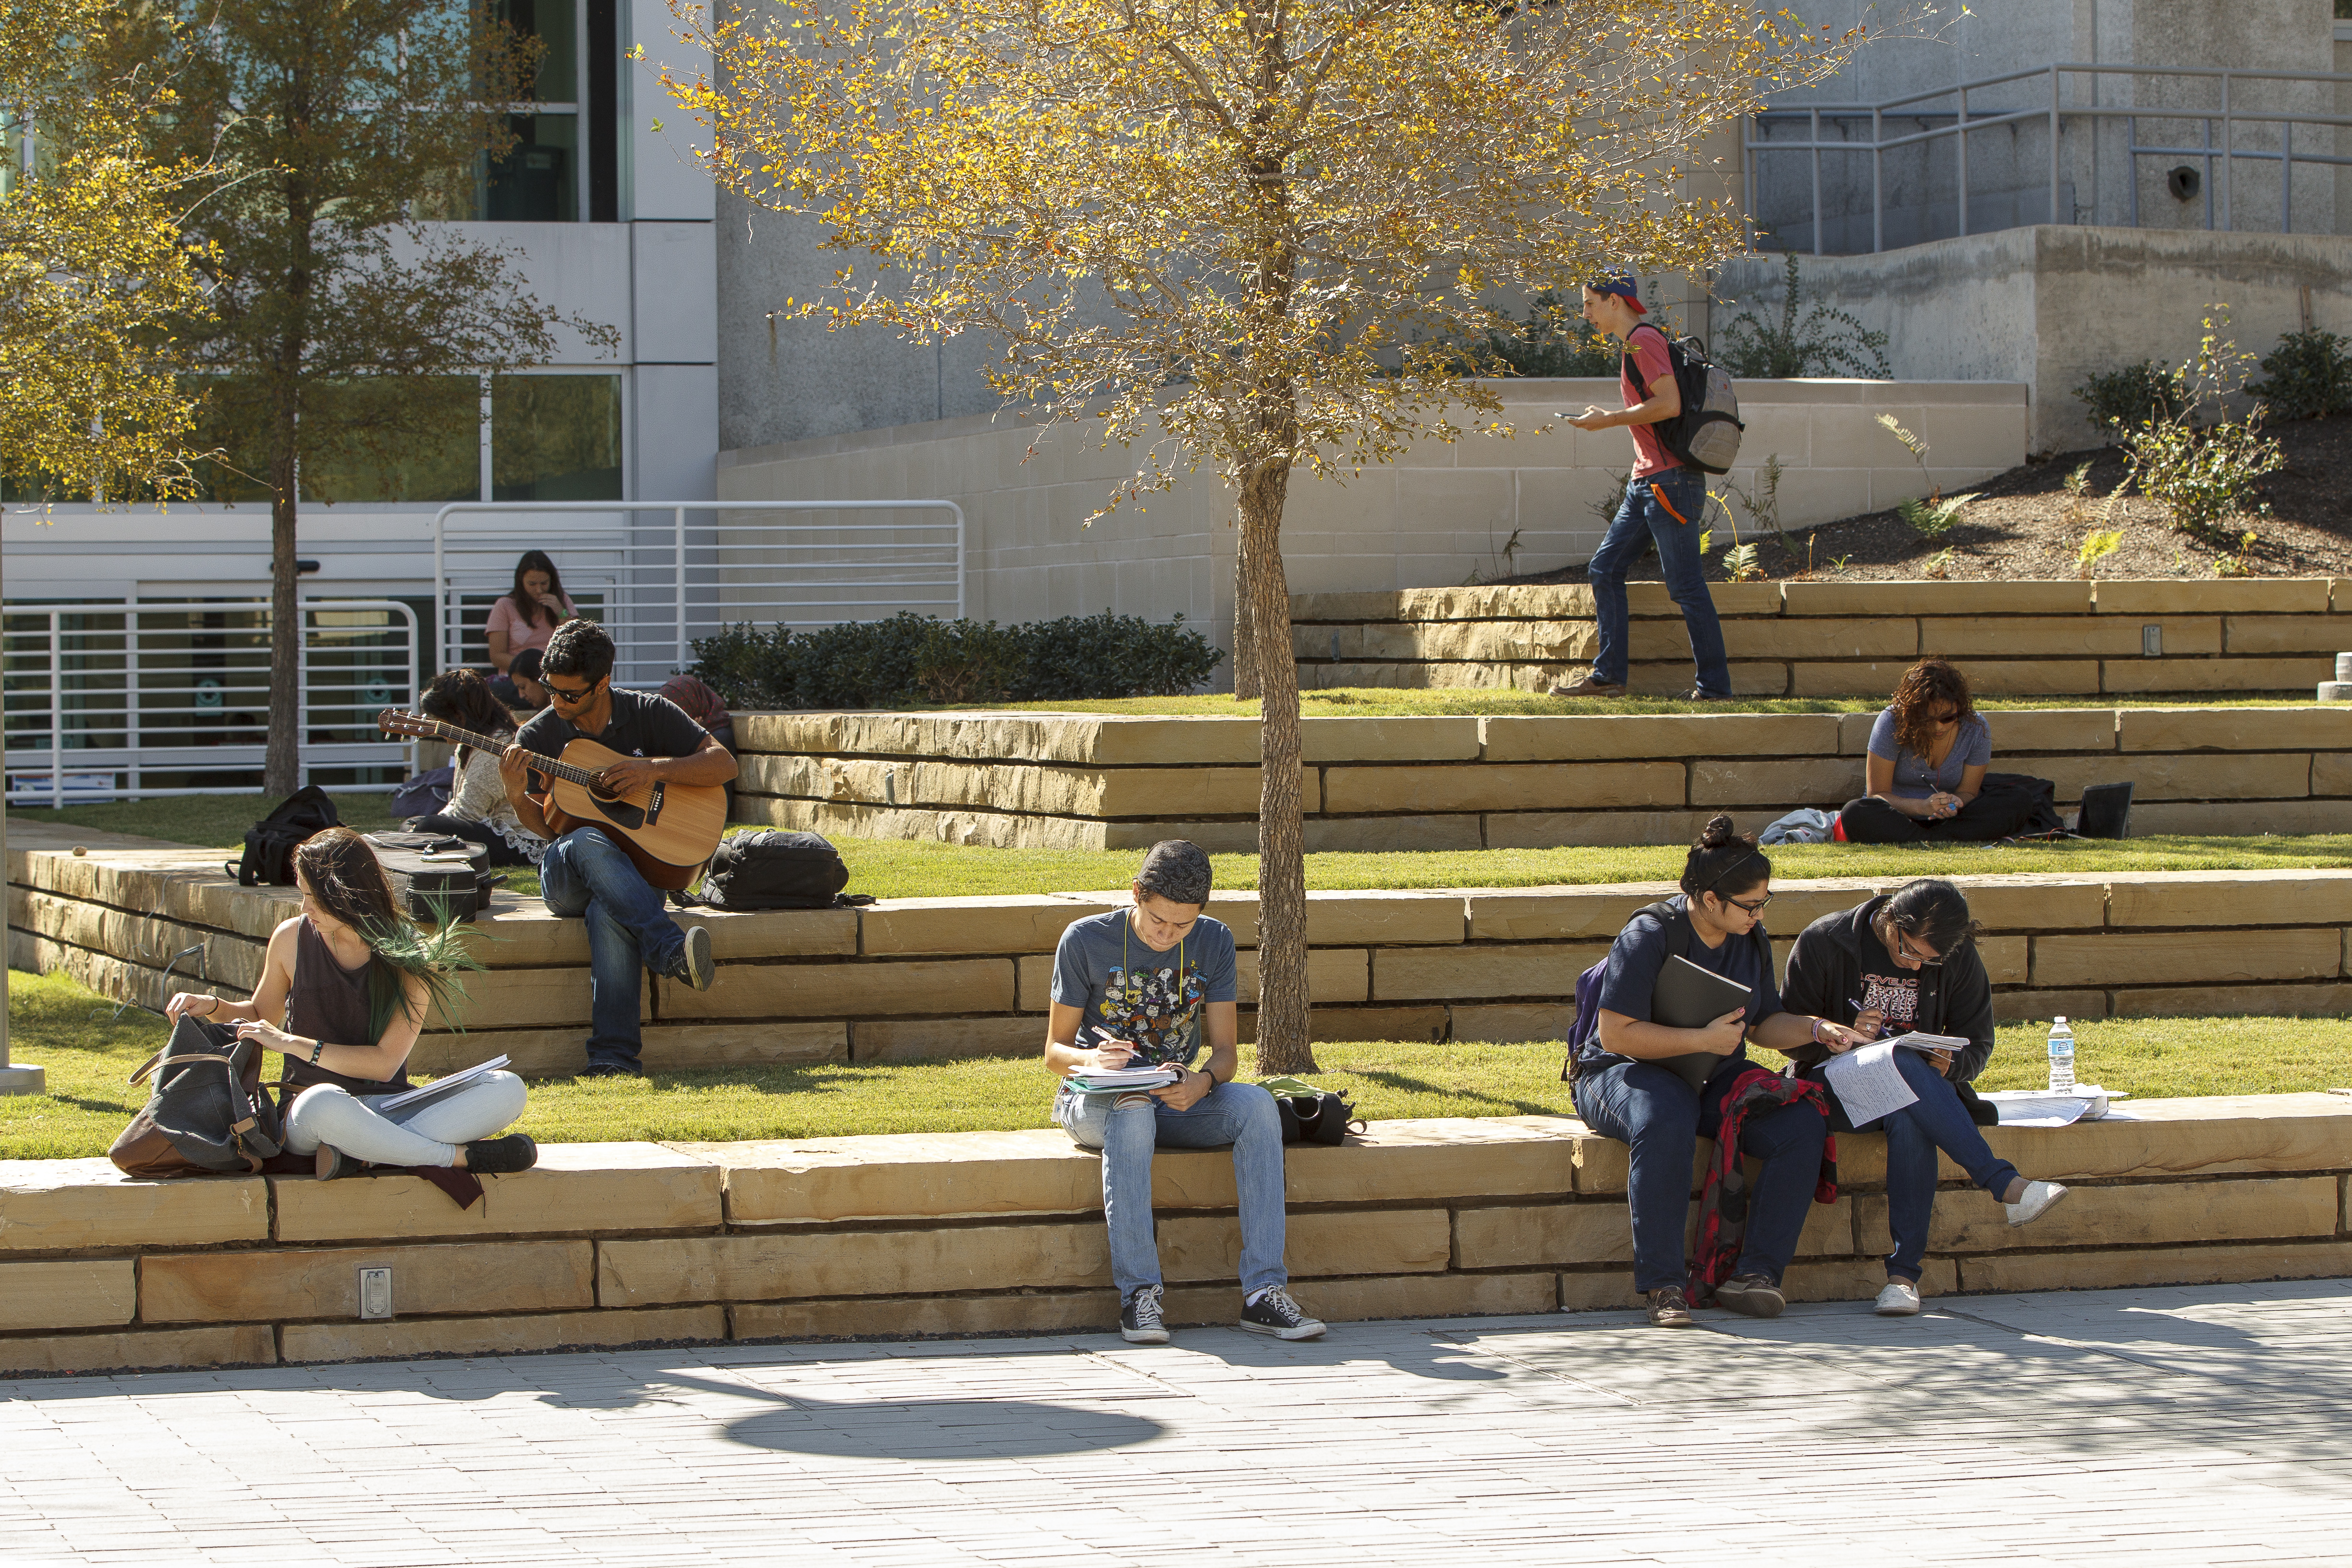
{"x":1905,"y":962}
{"x":1158,"y":978}
{"x":1623,"y":1091}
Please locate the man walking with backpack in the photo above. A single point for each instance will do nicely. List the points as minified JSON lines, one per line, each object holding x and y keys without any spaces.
{"x":1663,"y":501}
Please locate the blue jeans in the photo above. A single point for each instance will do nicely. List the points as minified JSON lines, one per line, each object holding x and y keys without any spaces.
{"x":1936,"y":1120}
{"x":1679,"y":562}
{"x":1127,"y":1128}
{"x":586,"y":875}
{"x":1660,"y":1120}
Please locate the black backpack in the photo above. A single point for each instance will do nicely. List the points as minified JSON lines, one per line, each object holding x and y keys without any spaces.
{"x":774,"y":869}
{"x":269,"y":843}
{"x":1586,"y":1026}
{"x":1705,"y":435}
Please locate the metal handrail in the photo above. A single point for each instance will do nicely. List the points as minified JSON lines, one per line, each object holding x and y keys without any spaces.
{"x":2055,"y":113}
{"x":448,"y":628}
{"x":139,"y":754}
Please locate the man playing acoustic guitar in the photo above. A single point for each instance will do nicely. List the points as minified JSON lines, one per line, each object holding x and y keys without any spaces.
{"x":587,"y":873}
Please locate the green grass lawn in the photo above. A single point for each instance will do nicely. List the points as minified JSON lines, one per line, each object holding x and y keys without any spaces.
{"x":62,"y":1025}
{"x":894,"y":868}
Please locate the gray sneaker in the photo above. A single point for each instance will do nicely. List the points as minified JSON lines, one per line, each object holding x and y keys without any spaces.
{"x":1752,"y":1295}
{"x":695,"y":968}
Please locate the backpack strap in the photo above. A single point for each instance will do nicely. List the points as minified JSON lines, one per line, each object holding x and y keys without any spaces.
{"x":1632,"y":368}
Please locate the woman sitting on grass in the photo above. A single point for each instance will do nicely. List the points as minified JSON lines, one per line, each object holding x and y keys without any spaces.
{"x":1147,"y":982}
{"x":351,"y":981}
{"x":479,"y":810}
{"x":1622,"y":1089}
{"x":1894,"y":964}
{"x":1926,"y":778}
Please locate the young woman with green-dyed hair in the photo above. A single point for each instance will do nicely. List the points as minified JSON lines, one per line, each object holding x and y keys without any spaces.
{"x":351,"y":981}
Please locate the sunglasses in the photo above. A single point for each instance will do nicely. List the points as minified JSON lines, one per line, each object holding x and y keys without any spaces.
{"x":561,"y":695}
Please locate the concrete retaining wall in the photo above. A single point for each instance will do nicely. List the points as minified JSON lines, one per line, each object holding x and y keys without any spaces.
{"x":612,"y":1244}
{"x":1094,"y":781}
{"x":1815,"y":639}
{"x":936,"y":978}
{"x":1438,"y":513}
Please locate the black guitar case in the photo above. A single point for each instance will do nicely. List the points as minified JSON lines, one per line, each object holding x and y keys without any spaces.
{"x":432,"y":872}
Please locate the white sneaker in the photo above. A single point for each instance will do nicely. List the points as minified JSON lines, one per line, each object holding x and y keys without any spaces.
{"x":2039,"y":1198}
{"x":1899,"y":1299}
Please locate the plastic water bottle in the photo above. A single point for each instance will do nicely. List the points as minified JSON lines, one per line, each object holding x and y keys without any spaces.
{"x":2061,"y":1057}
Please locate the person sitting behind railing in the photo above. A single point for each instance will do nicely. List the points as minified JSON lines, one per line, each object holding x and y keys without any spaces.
{"x":479,"y":810}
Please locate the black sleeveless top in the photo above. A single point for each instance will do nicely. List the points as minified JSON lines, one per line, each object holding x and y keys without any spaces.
{"x":329,"y":1003}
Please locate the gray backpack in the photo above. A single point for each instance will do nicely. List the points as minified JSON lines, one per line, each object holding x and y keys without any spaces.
{"x":1705,"y":435}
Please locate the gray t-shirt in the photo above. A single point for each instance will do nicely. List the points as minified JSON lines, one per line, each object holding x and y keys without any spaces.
{"x":1150,"y":1000}
{"x":1913,"y":779}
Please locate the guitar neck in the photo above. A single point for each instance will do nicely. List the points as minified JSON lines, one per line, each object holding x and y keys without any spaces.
{"x":497,"y":748}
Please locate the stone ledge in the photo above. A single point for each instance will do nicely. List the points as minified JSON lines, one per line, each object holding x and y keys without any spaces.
{"x":576,"y":1187}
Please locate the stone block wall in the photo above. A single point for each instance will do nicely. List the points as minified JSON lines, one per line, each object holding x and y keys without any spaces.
{"x":614,"y":1244}
{"x":1118,"y":782}
{"x":941,"y":978}
{"x":1832,"y":638}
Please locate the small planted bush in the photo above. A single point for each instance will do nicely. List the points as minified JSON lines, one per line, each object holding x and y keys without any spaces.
{"x":2307,"y":375}
{"x":918,"y":659}
{"x":2123,"y":400}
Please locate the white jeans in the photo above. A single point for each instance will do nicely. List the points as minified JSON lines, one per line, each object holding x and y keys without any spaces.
{"x":426,"y":1134}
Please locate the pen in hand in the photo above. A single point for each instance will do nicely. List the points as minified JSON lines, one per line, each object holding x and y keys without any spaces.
{"x":1878,"y":1034}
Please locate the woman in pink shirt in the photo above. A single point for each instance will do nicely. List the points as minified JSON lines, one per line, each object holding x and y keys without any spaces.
{"x":528,"y":615}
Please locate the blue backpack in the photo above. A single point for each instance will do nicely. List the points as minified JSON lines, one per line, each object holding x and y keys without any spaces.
{"x":1584,"y":1029}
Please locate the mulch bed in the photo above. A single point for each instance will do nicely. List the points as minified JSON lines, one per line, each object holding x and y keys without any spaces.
{"x":2028,"y":524}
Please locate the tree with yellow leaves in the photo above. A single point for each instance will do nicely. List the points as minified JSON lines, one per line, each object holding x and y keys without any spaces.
{"x":1248,"y":234}
{"x":90,"y":257}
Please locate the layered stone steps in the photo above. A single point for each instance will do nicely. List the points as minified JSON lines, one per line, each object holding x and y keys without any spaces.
{"x":1498,"y":782}
{"x":911,"y":979}
{"x":611,"y":1243}
{"x":1836,"y":638}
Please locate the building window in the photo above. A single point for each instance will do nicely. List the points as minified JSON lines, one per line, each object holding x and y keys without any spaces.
{"x":431,"y":449}
{"x":555,"y":438}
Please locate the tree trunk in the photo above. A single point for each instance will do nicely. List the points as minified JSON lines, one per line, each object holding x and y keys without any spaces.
{"x":281,"y":771}
{"x":1282,"y":999}
{"x":1245,"y":672}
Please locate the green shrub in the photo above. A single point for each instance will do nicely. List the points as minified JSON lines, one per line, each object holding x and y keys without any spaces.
{"x":2123,"y":400}
{"x":911,"y":659}
{"x":2309,"y":375}
{"x":1825,"y":342}
{"x":1554,"y":342}
{"x":2201,"y":464}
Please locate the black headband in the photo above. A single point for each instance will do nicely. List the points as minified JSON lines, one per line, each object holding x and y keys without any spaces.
{"x":1753,"y":854}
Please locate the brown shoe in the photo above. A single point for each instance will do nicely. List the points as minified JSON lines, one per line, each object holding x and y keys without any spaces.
{"x":1585,"y":685}
{"x":1669,"y":1307}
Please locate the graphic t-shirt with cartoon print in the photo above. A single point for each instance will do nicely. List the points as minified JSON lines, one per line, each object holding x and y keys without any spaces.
{"x":1896,"y":995}
{"x":1150,"y":1000}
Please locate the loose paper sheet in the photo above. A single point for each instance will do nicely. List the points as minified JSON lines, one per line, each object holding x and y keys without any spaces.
{"x":1868,"y":1083}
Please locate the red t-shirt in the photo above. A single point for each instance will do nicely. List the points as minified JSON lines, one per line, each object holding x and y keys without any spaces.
{"x":1647,"y":344}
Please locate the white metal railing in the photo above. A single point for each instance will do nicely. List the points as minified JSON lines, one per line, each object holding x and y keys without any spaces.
{"x":658,"y":585}
{"x":115,"y":691}
{"x":2229,"y":114}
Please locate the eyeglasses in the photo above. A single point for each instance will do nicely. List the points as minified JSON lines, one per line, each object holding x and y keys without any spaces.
{"x":561,"y":695}
{"x":1930,"y":959}
{"x":1755,"y":909}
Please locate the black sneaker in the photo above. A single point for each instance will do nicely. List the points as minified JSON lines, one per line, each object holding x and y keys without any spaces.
{"x":1752,"y":1295}
{"x":611,"y":1069}
{"x":1275,"y":1313}
{"x":695,"y":968}
{"x":1140,"y":1322}
{"x":501,"y":1156}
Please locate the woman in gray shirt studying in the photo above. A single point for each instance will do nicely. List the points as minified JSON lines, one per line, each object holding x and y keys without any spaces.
{"x":1926,"y":775}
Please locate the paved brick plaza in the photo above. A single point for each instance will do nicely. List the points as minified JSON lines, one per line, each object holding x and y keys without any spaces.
{"x":2199,"y":1424}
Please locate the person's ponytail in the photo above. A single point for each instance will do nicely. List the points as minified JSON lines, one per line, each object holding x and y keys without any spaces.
{"x":1724,"y":861}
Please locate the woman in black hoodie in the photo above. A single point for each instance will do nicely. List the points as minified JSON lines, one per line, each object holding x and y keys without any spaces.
{"x":1901,"y":963}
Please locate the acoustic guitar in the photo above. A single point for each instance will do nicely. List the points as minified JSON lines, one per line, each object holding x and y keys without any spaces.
{"x":668,"y":830}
